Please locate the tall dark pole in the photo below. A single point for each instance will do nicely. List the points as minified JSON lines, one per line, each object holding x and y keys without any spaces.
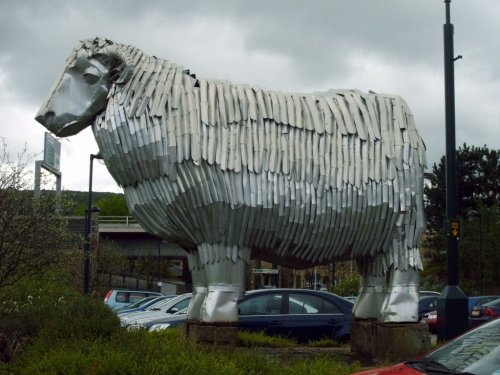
{"x":452,"y":303}
{"x":88,"y":218}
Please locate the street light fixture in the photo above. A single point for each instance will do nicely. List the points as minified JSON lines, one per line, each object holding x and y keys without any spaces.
{"x":88,"y":217}
{"x":473,"y":215}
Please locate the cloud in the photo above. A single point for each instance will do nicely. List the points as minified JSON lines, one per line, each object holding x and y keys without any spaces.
{"x":385,"y":46}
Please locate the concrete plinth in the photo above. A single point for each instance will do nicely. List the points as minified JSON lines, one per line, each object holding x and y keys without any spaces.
{"x":213,"y":333}
{"x":389,"y":341}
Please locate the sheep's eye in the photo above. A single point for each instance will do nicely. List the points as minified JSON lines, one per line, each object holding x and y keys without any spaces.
{"x":91,"y":75}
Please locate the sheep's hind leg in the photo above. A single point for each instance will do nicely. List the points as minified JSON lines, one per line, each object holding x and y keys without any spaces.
{"x":401,"y":302}
{"x":371,"y":294}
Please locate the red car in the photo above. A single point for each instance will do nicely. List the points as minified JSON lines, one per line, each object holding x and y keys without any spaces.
{"x":430,"y":318}
{"x":475,"y":352}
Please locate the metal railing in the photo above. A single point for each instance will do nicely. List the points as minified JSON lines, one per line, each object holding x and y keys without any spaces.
{"x":122,"y":220}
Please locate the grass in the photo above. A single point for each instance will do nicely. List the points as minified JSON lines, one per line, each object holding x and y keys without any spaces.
{"x":258,"y":339}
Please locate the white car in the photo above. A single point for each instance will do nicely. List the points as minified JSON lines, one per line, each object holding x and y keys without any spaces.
{"x":164,"y":309}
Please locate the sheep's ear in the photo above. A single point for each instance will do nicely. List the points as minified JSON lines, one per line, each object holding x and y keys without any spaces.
{"x":120,"y":64}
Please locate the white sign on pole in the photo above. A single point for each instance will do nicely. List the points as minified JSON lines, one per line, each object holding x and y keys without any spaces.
{"x":52,"y":152}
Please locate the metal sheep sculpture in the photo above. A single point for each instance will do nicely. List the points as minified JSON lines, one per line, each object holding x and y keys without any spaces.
{"x":231,"y":171}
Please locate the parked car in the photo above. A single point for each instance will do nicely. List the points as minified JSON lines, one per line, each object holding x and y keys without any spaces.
{"x":430,"y":318}
{"x":301,"y":314}
{"x":423,"y":293}
{"x":158,"y":324}
{"x":480,"y":300}
{"x":475,"y":352}
{"x":353,"y":299}
{"x":160,"y":310}
{"x":138,"y":303}
{"x":117,"y":298}
{"x":426,"y":304}
{"x":143,"y":304}
{"x":485,"y":312}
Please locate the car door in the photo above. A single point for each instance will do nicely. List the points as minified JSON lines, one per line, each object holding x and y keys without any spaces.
{"x":262,"y":312}
{"x":312,"y":317}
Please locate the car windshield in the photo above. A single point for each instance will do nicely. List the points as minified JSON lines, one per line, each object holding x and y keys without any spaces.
{"x":476,"y":352}
{"x":138,"y":303}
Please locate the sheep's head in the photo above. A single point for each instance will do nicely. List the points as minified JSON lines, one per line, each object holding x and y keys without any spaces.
{"x":80,"y":93}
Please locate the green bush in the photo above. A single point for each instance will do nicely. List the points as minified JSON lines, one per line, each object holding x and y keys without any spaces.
{"x":163,"y":352}
{"x":348,"y":285}
{"x":24,"y":307}
{"x":83,"y":319}
{"x":73,"y":334}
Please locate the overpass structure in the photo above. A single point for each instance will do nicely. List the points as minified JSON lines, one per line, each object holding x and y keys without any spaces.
{"x":134,"y":241}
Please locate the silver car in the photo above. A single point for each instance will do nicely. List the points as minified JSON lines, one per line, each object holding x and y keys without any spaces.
{"x":164,"y":309}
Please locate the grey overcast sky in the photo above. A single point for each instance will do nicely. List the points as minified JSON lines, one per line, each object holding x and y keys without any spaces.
{"x":387,"y":46}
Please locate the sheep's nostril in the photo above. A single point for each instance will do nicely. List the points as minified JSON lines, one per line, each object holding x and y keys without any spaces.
{"x":45,"y":118}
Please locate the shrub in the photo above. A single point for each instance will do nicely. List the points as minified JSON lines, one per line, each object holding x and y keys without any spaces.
{"x":24,"y":307}
{"x":163,"y":352}
{"x":347,"y":285}
{"x":83,"y":319}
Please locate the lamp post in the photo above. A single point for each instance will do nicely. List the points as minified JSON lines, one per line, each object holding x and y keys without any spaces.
{"x":473,"y":215}
{"x":452,"y":302}
{"x":88,"y":217}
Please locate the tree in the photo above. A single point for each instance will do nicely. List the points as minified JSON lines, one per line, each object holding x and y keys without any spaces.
{"x":114,"y":205}
{"x":478,"y":182}
{"x":478,"y":189}
{"x":109,"y":204}
{"x":33,"y":236}
{"x":106,"y":260}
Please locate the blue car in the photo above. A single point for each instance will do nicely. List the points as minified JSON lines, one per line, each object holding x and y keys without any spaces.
{"x":480,"y":300}
{"x":300,"y":314}
{"x":484,"y":313}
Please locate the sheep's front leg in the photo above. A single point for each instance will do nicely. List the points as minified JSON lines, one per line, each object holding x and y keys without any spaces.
{"x":225,"y":268}
{"x":401,"y":301}
{"x":199,"y":286}
{"x":371,"y":294}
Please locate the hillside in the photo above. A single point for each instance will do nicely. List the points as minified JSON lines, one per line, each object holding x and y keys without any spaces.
{"x":110,"y":204}
{"x":81,"y":197}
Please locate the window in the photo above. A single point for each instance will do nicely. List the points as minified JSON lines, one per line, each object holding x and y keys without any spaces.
{"x":309,"y":304}
{"x":181,"y":305}
{"x":135,"y":296}
{"x":121,"y":297}
{"x":268,"y":304}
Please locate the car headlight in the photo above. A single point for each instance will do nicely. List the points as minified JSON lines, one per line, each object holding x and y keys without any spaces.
{"x":134,"y":326}
{"x":158,"y":327}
